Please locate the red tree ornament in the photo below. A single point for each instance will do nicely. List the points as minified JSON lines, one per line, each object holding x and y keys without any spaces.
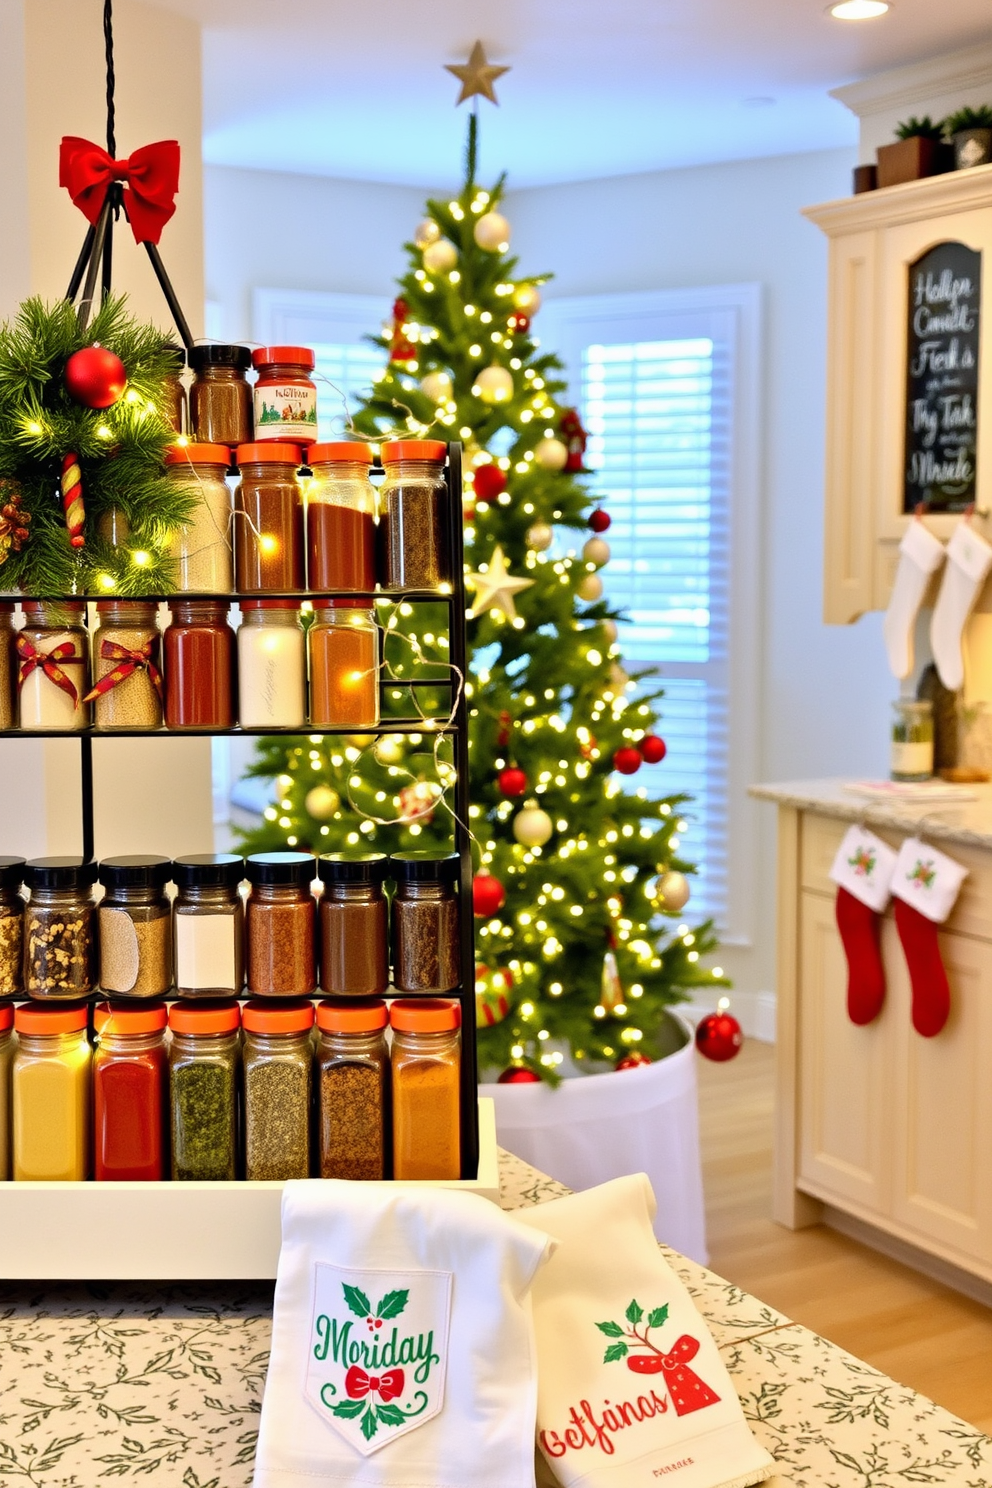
{"x":632,"y":1060}
{"x":489,"y":482}
{"x":518,"y":323}
{"x":488,"y":896}
{"x":512,"y":782}
{"x":652,"y":749}
{"x":599,"y":520}
{"x":517,"y":1074}
{"x":95,"y":377}
{"x":627,"y":760}
{"x":575,"y":437}
{"x":719,"y":1036}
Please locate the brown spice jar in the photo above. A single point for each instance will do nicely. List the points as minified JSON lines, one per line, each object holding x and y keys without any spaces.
{"x":353,"y":917}
{"x":411,"y":503}
{"x":344,"y":667}
{"x":426,"y":935}
{"x":135,"y":702}
{"x":199,"y":665}
{"x":353,"y":1090}
{"x":220,"y":398}
{"x":281,"y":922}
{"x":269,"y":540}
{"x":135,"y":924}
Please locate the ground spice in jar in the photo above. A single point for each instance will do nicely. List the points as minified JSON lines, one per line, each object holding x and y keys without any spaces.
{"x":269,"y":536}
{"x":53,"y":666}
{"x":59,"y":928}
{"x":411,"y":501}
{"x":353,"y":917}
{"x":426,"y":1075}
{"x":130,"y":1087}
{"x":341,"y":525}
{"x":6,"y":1057}
{"x":135,"y":925}
{"x":281,"y":921}
{"x":11,"y":927}
{"x":203,"y":546}
{"x":203,"y":1085}
{"x":344,"y":666}
{"x":353,"y":1086}
{"x":50,"y":1097}
{"x":278,"y":1077}
{"x":126,"y":666}
{"x":426,"y":936}
{"x":220,"y":398}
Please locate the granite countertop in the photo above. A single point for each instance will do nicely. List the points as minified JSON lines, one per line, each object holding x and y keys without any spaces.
{"x":967,"y":821}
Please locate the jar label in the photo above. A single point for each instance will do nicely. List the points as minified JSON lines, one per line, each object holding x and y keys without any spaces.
{"x":285,"y":410}
{"x":912,"y":759}
{"x":119,"y":960}
{"x":205,"y":953}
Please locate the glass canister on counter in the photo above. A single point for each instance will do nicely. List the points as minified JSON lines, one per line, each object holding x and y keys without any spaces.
{"x":278,"y":1086}
{"x":281,"y":925}
{"x":53,"y":666}
{"x":220,"y":397}
{"x":285,"y":395}
{"x":130,"y":1093}
{"x":426,"y":1069}
{"x":426,"y":939}
{"x":411,"y":514}
{"x":269,"y":539}
{"x":341,"y":524}
{"x":344,"y":665}
{"x":199,"y":665}
{"x":354,"y":924}
{"x":11,"y":927}
{"x":272,"y":665}
{"x":8,"y":665}
{"x":134,"y":919}
{"x":173,"y":408}
{"x":50,"y":1095}
{"x":127,"y":678}
{"x":209,"y":925}
{"x":60,"y":928}
{"x":352,"y":1090}
{"x":204,"y":1058}
{"x":912,"y":739}
{"x":203,"y":548}
{"x":7,"y":1046}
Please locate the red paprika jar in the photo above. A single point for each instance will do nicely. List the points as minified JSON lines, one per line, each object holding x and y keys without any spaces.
{"x":130,"y":1090}
{"x":269,"y":533}
{"x":340,"y":518}
{"x":285,"y":394}
{"x":199,"y":665}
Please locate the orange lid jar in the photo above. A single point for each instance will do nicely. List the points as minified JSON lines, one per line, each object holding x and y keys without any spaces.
{"x":285,"y":394}
{"x":426,"y":1075}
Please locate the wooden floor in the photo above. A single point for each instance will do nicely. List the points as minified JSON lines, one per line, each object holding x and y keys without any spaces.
{"x":912,"y":1328}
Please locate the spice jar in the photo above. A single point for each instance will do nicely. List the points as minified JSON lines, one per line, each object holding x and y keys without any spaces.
{"x":411,"y":506}
{"x":203,"y":1084}
{"x":7,"y":1046}
{"x":340,"y":518}
{"x":50,"y":1095}
{"x":59,"y":928}
{"x":199,"y":665}
{"x":426,"y":948}
{"x":173,"y":406}
{"x":8,"y":664}
{"x":426,"y":1067}
{"x":278,"y":1065}
{"x":130,"y":1093}
{"x":127,"y":681}
{"x":912,"y":740}
{"x":281,"y":922}
{"x":353,"y":1090}
{"x":354,"y":960}
{"x":203,"y":546}
{"x":209,"y":925}
{"x":272,"y":665}
{"x":285,"y":394}
{"x":11,"y":926}
{"x":344,"y":665}
{"x":220,"y":398}
{"x":135,"y":924}
{"x":53,"y":675}
{"x":268,"y":532}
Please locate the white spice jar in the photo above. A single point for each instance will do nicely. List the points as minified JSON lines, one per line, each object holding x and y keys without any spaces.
{"x":203,"y":549}
{"x":53,"y":660}
{"x":271,"y":665}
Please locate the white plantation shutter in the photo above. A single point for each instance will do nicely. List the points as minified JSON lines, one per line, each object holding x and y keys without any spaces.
{"x":344,"y":375}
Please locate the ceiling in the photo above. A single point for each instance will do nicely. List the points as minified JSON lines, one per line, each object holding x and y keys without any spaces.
{"x":597,"y":87}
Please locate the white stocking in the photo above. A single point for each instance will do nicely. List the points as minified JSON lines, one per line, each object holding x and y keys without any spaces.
{"x":920,"y":553}
{"x":969,"y":559}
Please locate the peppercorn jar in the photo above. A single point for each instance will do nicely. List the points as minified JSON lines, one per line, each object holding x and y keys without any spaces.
{"x":278,"y":1086}
{"x":426,"y":1074}
{"x":134,"y":920}
{"x":272,"y":665}
{"x":354,"y":925}
{"x":352,"y":1090}
{"x":50,"y":1095}
{"x":173,"y":405}
{"x":53,"y":672}
{"x":412,"y":501}
{"x":340,"y":518}
{"x":281,"y":923}
{"x":269,"y":542}
{"x":285,"y":394}
{"x":426,"y":944}
{"x":8,"y":664}
{"x":203,"y":546}
{"x":204,"y":1066}
{"x":127,"y":680}
{"x":209,"y":922}
{"x":59,"y":928}
{"x":344,"y":665}
{"x":11,"y":927}
{"x":130,"y":1093}
{"x":220,"y":398}
{"x":199,"y":665}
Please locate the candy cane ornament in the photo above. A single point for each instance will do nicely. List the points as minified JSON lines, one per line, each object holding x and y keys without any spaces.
{"x":72,"y":499}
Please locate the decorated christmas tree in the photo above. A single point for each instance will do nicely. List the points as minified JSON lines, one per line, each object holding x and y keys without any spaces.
{"x":579,"y":882}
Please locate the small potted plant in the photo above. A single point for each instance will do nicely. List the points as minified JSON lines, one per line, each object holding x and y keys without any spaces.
{"x":918,"y":151}
{"x":971,"y":131}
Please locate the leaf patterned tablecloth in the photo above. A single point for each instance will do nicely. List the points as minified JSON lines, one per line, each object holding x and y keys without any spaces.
{"x":164,"y":1384}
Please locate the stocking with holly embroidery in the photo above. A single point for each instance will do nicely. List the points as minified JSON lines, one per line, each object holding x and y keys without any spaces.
{"x":862,"y":870}
{"x":925,"y":885}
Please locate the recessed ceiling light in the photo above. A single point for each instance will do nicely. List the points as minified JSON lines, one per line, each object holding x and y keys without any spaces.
{"x":859,"y":10}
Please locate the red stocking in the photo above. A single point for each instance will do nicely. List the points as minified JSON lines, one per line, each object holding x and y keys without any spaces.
{"x":931,"y":994}
{"x":859,"y":928}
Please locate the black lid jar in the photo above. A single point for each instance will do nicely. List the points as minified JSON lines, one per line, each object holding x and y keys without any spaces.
{"x":426,"y":948}
{"x":11,"y":926}
{"x":135,"y":922}
{"x":59,"y":929}
{"x":354,"y":960}
{"x":209,"y":925}
{"x":220,"y":397}
{"x":281,"y":925}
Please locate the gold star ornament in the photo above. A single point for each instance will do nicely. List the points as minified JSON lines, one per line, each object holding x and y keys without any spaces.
{"x":476,"y":75}
{"x":494,"y":587}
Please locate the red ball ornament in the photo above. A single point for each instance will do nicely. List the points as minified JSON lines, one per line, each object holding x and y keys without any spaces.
{"x":627,"y":760}
{"x":518,"y":1075}
{"x":488,"y":483}
{"x":95,"y":377}
{"x":518,"y":323}
{"x":652,"y":749}
{"x":719,"y":1037}
{"x":599,"y":520}
{"x":631,"y":1060}
{"x":488,"y":896}
{"x":512,"y":782}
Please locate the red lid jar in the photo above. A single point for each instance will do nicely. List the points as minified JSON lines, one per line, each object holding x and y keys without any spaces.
{"x":285,"y":394}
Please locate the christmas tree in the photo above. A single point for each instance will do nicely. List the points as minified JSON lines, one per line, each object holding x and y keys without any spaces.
{"x":579,"y":882}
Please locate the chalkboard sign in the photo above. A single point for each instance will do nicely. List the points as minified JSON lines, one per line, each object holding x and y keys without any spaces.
{"x":942,"y":378}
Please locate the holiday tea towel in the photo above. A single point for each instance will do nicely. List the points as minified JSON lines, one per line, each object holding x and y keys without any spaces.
{"x":632,"y":1390}
{"x":403,"y":1348}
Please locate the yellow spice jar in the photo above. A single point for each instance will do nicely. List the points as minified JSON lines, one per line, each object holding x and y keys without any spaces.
{"x":50,"y":1094}
{"x":7,"y":1046}
{"x":426,"y":1074}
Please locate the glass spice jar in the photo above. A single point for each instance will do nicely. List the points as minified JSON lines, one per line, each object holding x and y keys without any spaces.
{"x":209,"y":925}
{"x":340,"y":518}
{"x":130,"y":1093}
{"x":354,"y":924}
{"x":7,"y":1046}
{"x":11,"y":927}
{"x":134,"y":920}
{"x":53,"y":676}
{"x":272,"y":665}
{"x":127,"y":680}
{"x":278,"y":1085}
{"x":352,"y":1090}
{"x":203,"y":547}
{"x":204,"y":1059}
{"x":269,"y":529}
{"x":173,"y":406}
{"x":199,"y":665}
{"x":912,"y":740}
{"x":50,"y":1095}
{"x":426,"y":944}
{"x":285,"y":394}
{"x":426,"y":1071}
{"x":412,"y":500}
{"x":60,"y":928}
{"x":344,"y":665}
{"x":281,"y":923}
{"x":220,"y":398}
{"x":8,"y":664}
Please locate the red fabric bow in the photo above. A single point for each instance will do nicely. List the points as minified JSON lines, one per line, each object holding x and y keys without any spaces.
{"x":689,"y":1393}
{"x":130,"y":661}
{"x":387,"y":1386}
{"x":48,"y":661}
{"x":151,"y":177}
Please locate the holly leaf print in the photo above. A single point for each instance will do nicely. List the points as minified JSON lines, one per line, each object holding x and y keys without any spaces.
{"x":614,"y":1352}
{"x":612,"y":1330}
{"x":659,"y":1316}
{"x":356,"y":1300}
{"x":391,"y":1415}
{"x":391,"y":1306}
{"x":634,"y":1314}
{"x":370,"y":1423}
{"x":349,"y":1409}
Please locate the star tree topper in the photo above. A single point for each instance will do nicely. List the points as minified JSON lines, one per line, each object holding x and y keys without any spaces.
{"x":476,"y":75}
{"x":494,"y":587}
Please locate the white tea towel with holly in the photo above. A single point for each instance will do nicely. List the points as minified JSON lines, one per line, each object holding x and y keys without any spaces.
{"x":632,"y":1389}
{"x":403,"y":1351}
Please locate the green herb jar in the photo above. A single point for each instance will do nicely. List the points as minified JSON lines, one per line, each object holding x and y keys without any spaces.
{"x":278,"y":1066}
{"x":912,"y":740}
{"x":204,"y":1065}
